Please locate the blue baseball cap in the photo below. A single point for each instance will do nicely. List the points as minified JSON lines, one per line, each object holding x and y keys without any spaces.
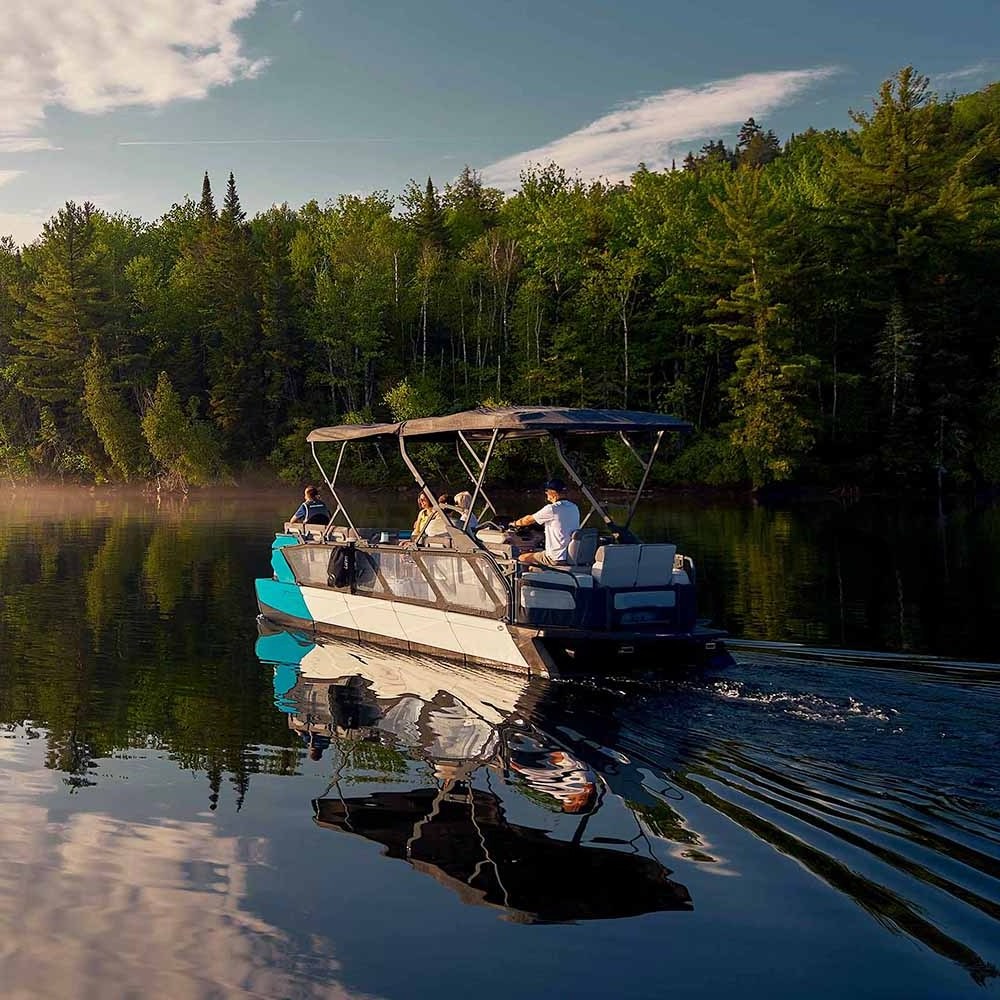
{"x":556,"y":485}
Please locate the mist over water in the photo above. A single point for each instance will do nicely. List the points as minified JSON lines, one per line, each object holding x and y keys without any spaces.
{"x":298,"y":820}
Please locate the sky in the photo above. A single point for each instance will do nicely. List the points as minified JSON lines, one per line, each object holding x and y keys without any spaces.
{"x":126,"y":103}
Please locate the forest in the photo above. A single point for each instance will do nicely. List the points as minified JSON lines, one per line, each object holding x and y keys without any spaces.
{"x":822,"y":310}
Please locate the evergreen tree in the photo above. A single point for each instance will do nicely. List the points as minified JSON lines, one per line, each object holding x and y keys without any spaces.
{"x":183,"y":447}
{"x":424,"y":214}
{"x":219,"y":271}
{"x":896,"y":365}
{"x":116,"y":425}
{"x":206,"y":207}
{"x":280,"y":327}
{"x":232,"y":212}
{"x":749,"y":130}
{"x":470,"y":208}
{"x":903,"y":204}
{"x":715,"y":151}
{"x":754,"y":146}
{"x":64,"y":313}
{"x":15,"y":415}
{"x":754,"y":255}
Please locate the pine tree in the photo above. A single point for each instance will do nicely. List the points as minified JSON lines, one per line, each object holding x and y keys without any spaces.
{"x":754,"y":146}
{"x":752,"y":261}
{"x":424,"y":214}
{"x":182,"y":446}
{"x":64,"y":311}
{"x":220,"y":270}
{"x":283,"y":363}
{"x":470,"y":208}
{"x":206,"y":207}
{"x":232,"y":213}
{"x":749,"y":130}
{"x":903,"y":212}
{"x":716,"y":151}
{"x":116,"y":425}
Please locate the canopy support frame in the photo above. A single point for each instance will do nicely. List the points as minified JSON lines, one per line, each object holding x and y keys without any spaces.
{"x":595,"y":504}
{"x":419,"y":478}
{"x":331,"y":484}
{"x":646,"y":467}
{"x":483,"y":463}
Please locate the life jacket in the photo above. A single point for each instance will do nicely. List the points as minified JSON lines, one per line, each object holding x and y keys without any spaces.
{"x":317,"y":512}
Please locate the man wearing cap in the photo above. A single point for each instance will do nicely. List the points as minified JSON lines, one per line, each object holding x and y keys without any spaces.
{"x":560,"y":518}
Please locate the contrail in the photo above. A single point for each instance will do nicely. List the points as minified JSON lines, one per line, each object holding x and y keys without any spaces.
{"x":281,"y":142}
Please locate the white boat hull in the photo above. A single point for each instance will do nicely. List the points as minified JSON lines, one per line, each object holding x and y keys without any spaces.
{"x":414,"y":627}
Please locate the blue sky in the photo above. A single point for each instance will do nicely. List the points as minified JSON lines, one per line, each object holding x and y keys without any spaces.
{"x":127,"y":102}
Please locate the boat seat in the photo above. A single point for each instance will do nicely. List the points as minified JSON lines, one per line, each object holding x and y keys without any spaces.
{"x":622,"y":566}
{"x":656,"y":565}
{"x":581,"y":551}
{"x":616,"y":565}
{"x":583,"y":547}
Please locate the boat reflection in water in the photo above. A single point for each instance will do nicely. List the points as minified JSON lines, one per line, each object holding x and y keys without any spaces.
{"x":441,"y":766}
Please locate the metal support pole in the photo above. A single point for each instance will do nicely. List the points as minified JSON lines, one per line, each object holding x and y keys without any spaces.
{"x":575,"y":476}
{"x":332,"y":486}
{"x":480,"y":463}
{"x":482,"y":475}
{"x":417,"y":475}
{"x":645,"y":474}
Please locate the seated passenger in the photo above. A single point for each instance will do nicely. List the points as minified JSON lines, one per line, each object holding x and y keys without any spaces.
{"x":560,"y":518}
{"x":312,"y":510}
{"x":463,"y":501}
{"x":428,"y":521}
{"x":424,"y":514}
{"x":438,"y":525}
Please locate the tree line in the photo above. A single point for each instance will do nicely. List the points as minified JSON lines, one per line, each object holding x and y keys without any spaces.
{"x":821,"y":310}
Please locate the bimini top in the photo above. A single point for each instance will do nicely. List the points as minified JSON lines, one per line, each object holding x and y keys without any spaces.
{"x":513,"y":422}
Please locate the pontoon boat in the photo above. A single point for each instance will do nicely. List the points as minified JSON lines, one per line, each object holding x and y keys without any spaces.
{"x":463,"y":594}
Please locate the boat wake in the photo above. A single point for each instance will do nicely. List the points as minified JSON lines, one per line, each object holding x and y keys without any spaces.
{"x":803,"y":705}
{"x":853,"y":774}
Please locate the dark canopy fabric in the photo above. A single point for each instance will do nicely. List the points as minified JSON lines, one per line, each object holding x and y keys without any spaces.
{"x":514,"y":422}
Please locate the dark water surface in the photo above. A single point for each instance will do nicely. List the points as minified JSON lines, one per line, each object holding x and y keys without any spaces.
{"x":188,"y":811}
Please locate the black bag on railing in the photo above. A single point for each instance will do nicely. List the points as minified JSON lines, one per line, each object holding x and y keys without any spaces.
{"x":340,"y":569}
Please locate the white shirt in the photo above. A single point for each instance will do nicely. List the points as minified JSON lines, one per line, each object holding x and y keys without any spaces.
{"x":560,"y":519}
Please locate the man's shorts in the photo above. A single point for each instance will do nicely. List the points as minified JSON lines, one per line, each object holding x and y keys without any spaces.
{"x":544,"y":559}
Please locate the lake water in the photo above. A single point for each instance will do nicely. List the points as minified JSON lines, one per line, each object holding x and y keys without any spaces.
{"x":189,"y":810}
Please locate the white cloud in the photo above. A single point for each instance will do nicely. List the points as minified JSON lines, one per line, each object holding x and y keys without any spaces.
{"x":652,"y":130}
{"x":8,"y":175}
{"x":296,"y":17}
{"x":24,"y":144}
{"x":965,"y":73}
{"x":93,"y":56}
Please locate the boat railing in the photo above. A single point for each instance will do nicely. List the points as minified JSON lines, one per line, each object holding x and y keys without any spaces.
{"x":473,"y":582}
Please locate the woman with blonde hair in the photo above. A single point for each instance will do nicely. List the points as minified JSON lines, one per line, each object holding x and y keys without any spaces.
{"x":463,"y":501}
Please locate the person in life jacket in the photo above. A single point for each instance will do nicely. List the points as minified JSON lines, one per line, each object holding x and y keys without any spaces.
{"x":312,"y":510}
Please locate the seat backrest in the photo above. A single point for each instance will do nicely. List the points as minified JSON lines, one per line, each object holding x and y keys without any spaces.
{"x":442,"y":541}
{"x":656,"y":564}
{"x":616,"y":565}
{"x":583,"y":546}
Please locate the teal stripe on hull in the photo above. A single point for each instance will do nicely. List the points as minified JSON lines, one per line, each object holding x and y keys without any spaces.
{"x":285,"y":598}
{"x":282,"y":571}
